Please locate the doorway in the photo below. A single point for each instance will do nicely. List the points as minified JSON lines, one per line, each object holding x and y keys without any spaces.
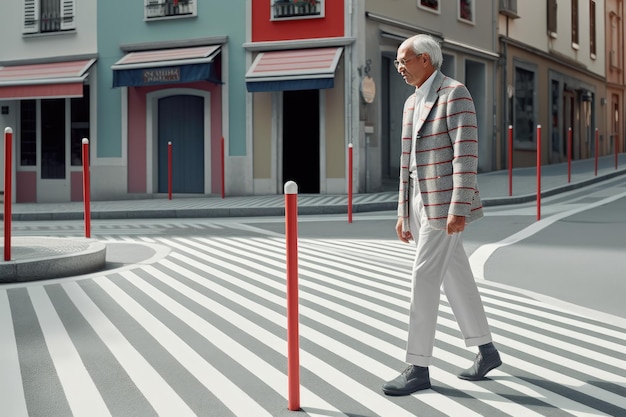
{"x":181,"y":121}
{"x":569,"y":121}
{"x":301,"y":140}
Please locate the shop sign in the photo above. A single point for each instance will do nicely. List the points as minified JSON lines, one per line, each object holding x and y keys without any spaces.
{"x":161,"y":75}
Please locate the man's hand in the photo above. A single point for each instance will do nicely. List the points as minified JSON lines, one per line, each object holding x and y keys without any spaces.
{"x":403,"y":236}
{"x":456,"y":224}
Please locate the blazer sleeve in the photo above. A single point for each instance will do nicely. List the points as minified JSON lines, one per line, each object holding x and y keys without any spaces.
{"x":463,"y":132}
{"x":406,"y":141}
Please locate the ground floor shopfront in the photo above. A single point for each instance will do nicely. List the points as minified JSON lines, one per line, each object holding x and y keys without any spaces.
{"x":548,"y":96}
{"x":48,"y":105}
{"x":300,"y":121}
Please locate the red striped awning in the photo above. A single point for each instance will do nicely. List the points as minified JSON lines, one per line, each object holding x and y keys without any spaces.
{"x":46,"y":80}
{"x":167,"y":57}
{"x":294,"y":64}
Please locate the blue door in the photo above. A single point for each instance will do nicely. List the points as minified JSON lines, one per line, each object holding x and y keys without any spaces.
{"x":181,"y":121}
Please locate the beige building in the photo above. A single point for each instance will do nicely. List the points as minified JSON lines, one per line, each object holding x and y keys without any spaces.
{"x":553,"y":78}
{"x":614,"y":52}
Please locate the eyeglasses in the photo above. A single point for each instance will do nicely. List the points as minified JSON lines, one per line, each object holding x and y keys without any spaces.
{"x":403,"y":62}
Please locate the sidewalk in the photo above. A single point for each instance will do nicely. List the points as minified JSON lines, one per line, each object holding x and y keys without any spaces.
{"x":494,"y":189}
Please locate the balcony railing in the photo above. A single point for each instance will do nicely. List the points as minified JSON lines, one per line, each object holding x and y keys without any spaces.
{"x":296,"y":8}
{"x":168,"y":8}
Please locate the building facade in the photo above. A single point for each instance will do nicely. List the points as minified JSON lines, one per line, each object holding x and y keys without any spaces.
{"x":465,"y":32}
{"x":249,"y":95}
{"x":615,"y":79}
{"x":299,"y":80}
{"x":170,"y":77}
{"x":47,"y":94}
{"x":552,"y":78}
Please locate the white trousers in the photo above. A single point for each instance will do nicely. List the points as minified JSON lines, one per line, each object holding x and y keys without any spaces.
{"x":440,"y":260}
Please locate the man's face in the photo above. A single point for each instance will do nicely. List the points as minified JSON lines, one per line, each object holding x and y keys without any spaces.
{"x":415,"y":69}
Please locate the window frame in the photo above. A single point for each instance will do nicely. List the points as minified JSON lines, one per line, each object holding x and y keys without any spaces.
{"x":149,"y":5}
{"x":472,"y":6}
{"x":321,"y":5}
{"x":31,"y":14}
{"x":552,"y":18}
{"x":615,"y":43}
{"x":592,"y":29}
{"x":436,"y":9}
{"x":575,"y":25}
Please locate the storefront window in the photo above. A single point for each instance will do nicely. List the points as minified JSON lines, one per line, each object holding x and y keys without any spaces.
{"x":28,"y":133}
{"x":53,"y":139}
{"x":524,"y":106}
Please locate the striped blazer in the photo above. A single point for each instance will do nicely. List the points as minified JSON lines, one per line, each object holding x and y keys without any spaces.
{"x":446,"y":152}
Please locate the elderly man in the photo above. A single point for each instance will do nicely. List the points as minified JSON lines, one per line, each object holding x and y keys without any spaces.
{"x":438,"y":197}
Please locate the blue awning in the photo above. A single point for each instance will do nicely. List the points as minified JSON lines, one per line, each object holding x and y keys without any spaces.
{"x":169,"y":66}
{"x":300,"y":69}
{"x":289,"y":85}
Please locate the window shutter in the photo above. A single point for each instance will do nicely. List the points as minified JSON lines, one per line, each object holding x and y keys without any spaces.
{"x":552,"y":13}
{"x":31,"y":16}
{"x":68,"y":20}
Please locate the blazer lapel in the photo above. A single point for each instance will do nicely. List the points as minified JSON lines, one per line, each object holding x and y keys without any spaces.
{"x":429,"y":100}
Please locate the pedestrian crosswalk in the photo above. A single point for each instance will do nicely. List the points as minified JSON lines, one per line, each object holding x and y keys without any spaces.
{"x":202,"y":332}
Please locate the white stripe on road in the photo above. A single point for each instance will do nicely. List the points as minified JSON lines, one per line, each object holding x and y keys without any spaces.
{"x":11,"y":388}
{"x":230,"y":394}
{"x":157,"y":392}
{"x":523,"y":365}
{"x":362,"y":394}
{"x":271,"y":376}
{"x":82,"y":395}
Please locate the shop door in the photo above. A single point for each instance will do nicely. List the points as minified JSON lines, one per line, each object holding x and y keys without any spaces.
{"x":53,"y":185}
{"x":181,"y":121}
{"x":301,"y":140}
{"x":569,"y":121}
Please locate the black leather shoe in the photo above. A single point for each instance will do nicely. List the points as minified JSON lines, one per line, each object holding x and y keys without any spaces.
{"x":412,"y":379}
{"x":482,"y":365}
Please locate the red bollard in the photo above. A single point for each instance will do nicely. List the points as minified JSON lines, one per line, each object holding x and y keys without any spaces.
{"x":8,"y":192}
{"x":350,"y":183}
{"x":569,"y":154}
{"x":510,"y":160}
{"x":538,"y":172}
{"x":86,"y":188}
{"x":596,"y":154}
{"x":169,"y":170}
{"x":223,"y":168}
{"x":293,"y":344}
{"x":616,"y":151}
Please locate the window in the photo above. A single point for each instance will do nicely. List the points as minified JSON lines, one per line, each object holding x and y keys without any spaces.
{"x":289,"y":9}
{"x":592,"y":29}
{"x":45,"y":16}
{"x":524,"y":108}
{"x":28,"y":133}
{"x":552,"y":18}
{"x":466,"y":11}
{"x":156,"y":9}
{"x":430,"y":5}
{"x":615,"y":56}
{"x":575,"y":24}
